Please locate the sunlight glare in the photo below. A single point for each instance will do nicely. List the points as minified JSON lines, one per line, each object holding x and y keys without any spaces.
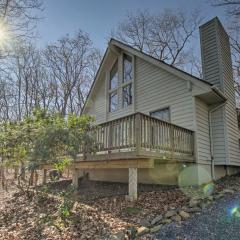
{"x":4,"y":36}
{"x":235,"y":212}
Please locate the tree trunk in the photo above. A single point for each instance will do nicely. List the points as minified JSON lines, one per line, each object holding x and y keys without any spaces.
{"x":36,"y":178}
{"x":16,"y":169}
{"x":31,"y":178}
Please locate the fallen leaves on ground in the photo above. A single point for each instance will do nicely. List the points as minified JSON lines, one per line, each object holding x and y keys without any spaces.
{"x":91,"y":217}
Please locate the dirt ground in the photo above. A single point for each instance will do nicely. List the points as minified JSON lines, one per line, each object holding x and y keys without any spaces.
{"x":98,"y":210}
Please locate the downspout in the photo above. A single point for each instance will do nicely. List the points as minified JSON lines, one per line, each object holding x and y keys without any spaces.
{"x":211,"y":137}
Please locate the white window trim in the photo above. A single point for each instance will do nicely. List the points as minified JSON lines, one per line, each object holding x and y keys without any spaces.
{"x":121,"y":84}
{"x":124,"y":84}
{"x":161,"y":109}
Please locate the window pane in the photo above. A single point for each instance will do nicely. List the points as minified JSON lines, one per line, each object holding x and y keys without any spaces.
{"x":113,"y":101}
{"x":127,"y":68}
{"x":163,"y":114}
{"x":114,"y":76}
{"x":127,"y":95}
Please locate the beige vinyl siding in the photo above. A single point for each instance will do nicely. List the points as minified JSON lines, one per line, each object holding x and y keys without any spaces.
{"x":230,"y":109}
{"x":209,"y":41}
{"x":202,"y":132}
{"x":218,"y":136}
{"x":156,"y":89}
{"x":217,"y":69}
{"x":97,"y":105}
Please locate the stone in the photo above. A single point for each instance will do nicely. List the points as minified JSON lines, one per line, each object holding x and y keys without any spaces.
{"x":118,"y":236}
{"x":145,"y":223}
{"x":74,"y":208}
{"x":194,"y":209}
{"x":170,"y":213}
{"x":203,"y":205}
{"x":156,"y":228}
{"x":131,"y":232}
{"x":210,"y":198}
{"x":165,"y":208}
{"x":231,"y":191}
{"x":142,"y":230}
{"x":184,"y":208}
{"x":184,"y":214}
{"x":218,"y":196}
{"x":193,"y":203}
{"x":42,"y":215}
{"x":177,"y":218}
{"x":166,"y":221}
{"x":157,"y":219}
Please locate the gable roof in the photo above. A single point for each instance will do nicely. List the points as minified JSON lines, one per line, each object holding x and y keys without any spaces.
{"x":161,"y":64}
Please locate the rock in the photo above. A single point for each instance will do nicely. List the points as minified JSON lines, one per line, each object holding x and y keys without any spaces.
{"x":166,"y":221}
{"x":193,"y":203}
{"x":194,"y":209}
{"x":177,"y":218}
{"x":131,"y":232}
{"x":231,"y":191}
{"x":184,"y":214}
{"x":184,"y":208}
{"x":218,"y":196}
{"x":145,"y":223}
{"x":156,"y":228}
{"x":74,"y":208}
{"x":142,"y":230}
{"x":170,"y":213}
{"x":210,"y":198}
{"x":42,"y":215}
{"x":157,"y":219}
{"x":165,"y":208}
{"x":203,"y":205}
{"x":118,"y":236}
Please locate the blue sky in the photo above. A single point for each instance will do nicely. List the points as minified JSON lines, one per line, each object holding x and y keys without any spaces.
{"x":98,"y":17}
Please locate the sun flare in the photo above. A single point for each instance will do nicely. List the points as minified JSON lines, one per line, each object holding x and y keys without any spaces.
{"x":4,"y":35}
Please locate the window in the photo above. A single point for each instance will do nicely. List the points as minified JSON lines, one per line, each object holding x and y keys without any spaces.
{"x":162,"y":114}
{"x":127,"y":68}
{"x":113,"y":101}
{"x":127,"y":95}
{"x":113,"y":85}
{"x":114,"y":76}
{"x":120,"y":91}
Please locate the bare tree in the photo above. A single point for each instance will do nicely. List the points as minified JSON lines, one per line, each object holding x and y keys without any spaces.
{"x":19,"y":16}
{"x":164,"y":36}
{"x":232,"y":7}
{"x":70,"y":66}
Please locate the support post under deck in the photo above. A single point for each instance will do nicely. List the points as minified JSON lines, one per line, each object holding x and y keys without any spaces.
{"x":132,"y":184}
{"x":76,"y":174}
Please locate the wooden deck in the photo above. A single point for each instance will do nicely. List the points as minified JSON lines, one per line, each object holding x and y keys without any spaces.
{"x":132,"y":142}
{"x":140,"y":136}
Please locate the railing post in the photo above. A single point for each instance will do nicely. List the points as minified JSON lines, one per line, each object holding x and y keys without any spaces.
{"x":194,"y":146}
{"x":138,"y":135}
{"x":172,"y":138}
{"x":110,"y":136}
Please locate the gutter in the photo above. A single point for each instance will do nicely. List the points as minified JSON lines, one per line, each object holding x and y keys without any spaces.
{"x":218,"y":92}
{"x":211,"y":137}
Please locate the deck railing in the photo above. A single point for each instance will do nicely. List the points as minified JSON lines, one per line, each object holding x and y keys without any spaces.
{"x":139,"y":131}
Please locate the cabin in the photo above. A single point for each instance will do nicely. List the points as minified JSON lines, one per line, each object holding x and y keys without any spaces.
{"x":160,"y":125}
